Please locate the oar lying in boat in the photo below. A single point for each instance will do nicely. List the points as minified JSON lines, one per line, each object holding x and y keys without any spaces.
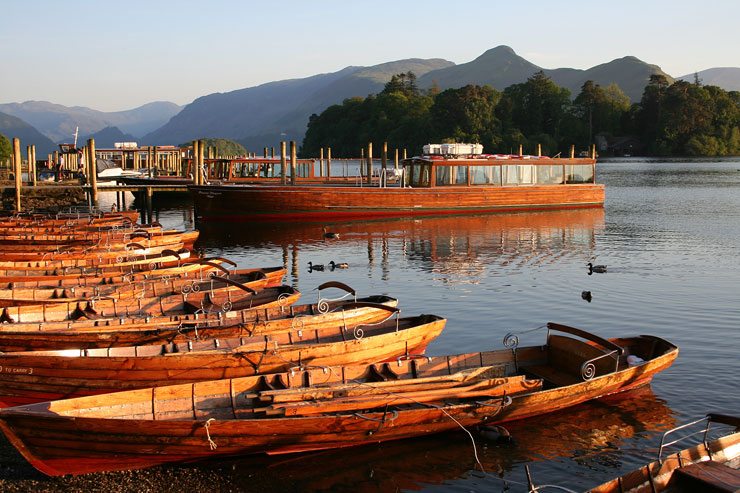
{"x":41,"y":375}
{"x":402,"y":396}
{"x":303,"y":320}
{"x":208,"y":419}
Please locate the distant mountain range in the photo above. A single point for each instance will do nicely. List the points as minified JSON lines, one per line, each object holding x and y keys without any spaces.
{"x":59,"y":122}
{"x":728,"y":78}
{"x":501,"y":67}
{"x":12,"y":126}
{"x":263,"y":115}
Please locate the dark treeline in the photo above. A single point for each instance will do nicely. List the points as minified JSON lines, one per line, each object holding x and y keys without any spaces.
{"x":681,"y":119}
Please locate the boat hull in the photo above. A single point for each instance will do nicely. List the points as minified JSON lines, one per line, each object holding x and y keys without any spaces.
{"x":76,"y":445}
{"x":306,"y":202}
{"x":40,"y":376}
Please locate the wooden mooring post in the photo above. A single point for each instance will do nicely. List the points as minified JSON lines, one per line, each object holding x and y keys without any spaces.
{"x":202,"y":176}
{"x":283,"y":163}
{"x":328,"y":162}
{"x":369,"y":163}
{"x":32,"y":165}
{"x":93,"y":171}
{"x":292,"y":162}
{"x":17,"y":169}
{"x":194,"y":163}
{"x":384,"y":160}
{"x":321,"y":161}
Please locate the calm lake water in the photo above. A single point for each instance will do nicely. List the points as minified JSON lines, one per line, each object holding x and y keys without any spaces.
{"x":670,"y":235}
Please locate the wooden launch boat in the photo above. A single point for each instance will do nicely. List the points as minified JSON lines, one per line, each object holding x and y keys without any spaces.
{"x":224,"y":298}
{"x":249,"y":322}
{"x":710,"y":466}
{"x":430,"y":185}
{"x":254,"y":278}
{"x":42,"y":375}
{"x":320,"y":408}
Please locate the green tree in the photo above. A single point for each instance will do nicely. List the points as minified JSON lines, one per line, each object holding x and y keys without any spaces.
{"x":649,"y":115}
{"x":5,"y":148}
{"x":224,"y":147}
{"x":535,"y":107}
{"x":467,"y":115}
{"x":404,"y":83}
{"x":598,"y":110}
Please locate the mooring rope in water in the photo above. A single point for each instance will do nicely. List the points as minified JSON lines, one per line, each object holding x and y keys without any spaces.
{"x":330,"y":371}
{"x":391,"y":393}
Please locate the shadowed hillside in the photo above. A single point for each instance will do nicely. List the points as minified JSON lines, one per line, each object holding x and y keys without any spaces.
{"x":279,"y":110}
{"x":12,"y":126}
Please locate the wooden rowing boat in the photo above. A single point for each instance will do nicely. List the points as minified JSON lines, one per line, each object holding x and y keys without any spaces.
{"x":100,"y":254}
{"x":224,"y":299}
{"x":132,"y":331}
{"x":251,"y":280}
{"x":194,"y":268}
{"x":71,"y":219}
{"x":168,"y":258}
{"x":322,"y":408}
{"x":710,"y":466}
{"x":41,"y":244}
{"x":254,"y":278}
{"x":42,"y":375}
{"x":92,"y":260}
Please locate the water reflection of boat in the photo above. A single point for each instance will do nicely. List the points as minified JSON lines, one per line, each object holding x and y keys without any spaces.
{"x":464,"y":245}
{"x":710,"y":466}
{"x":576,"y":225}
{"x":582,"y":433}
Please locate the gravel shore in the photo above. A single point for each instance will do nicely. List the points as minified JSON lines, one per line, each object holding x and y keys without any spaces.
{"x":17,"y":475}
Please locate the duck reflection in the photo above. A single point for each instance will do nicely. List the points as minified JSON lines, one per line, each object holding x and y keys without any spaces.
{"x":459,"y":248}
{"x":584,"y":434}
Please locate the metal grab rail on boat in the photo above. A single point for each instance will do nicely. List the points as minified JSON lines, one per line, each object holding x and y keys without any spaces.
{"x":322,"y":304}
{"x":588,"y":369}
{"x":709,"y":418}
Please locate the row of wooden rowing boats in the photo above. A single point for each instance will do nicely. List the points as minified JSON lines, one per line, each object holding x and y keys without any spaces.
{"x":130,"y":360}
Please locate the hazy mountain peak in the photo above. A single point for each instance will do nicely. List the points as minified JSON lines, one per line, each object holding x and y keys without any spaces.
{"x":499,"y":51}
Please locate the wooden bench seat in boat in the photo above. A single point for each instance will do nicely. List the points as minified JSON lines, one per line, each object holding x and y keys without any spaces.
{"x":707,"y":476}
{"x":566,"y":356}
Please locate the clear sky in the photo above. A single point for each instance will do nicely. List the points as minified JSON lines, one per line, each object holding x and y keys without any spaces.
{"x":119,"y":55}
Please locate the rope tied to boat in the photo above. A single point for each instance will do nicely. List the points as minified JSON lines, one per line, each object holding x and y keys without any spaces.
{"x":207,"y":425}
